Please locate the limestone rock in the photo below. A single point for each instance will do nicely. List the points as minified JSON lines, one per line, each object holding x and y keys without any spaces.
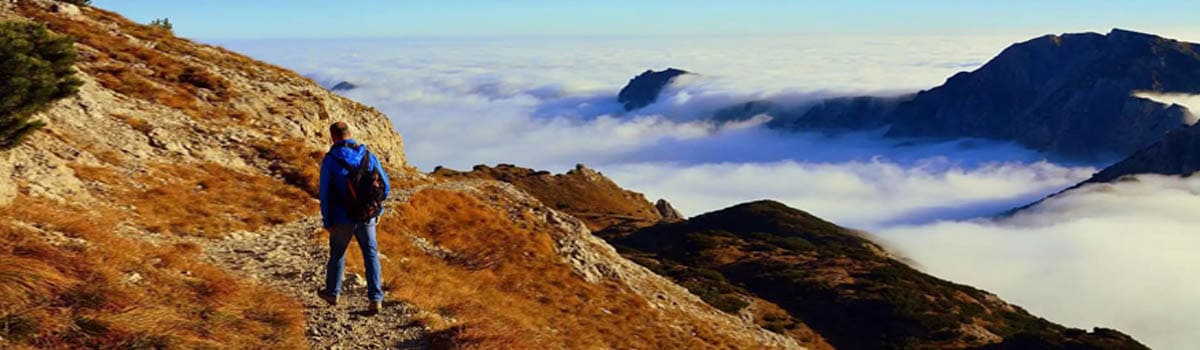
{"x":8,"y":188}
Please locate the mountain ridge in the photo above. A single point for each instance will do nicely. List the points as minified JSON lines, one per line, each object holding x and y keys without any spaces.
{"x":1070,"y":94}
{"x":739,"y":260}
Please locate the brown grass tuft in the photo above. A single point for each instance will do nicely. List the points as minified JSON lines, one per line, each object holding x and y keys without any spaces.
{"x":91,"y":288}
{"x":293,"y":160}
{"x":218,"y":200}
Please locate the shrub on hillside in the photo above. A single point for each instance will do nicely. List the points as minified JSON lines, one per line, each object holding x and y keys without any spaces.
{"x":38,"y":70}
{"x":163,"y":23}
{"x":78,"y":2}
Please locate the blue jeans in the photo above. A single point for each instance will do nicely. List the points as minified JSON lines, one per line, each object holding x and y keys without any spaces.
{"x":339,"y":239}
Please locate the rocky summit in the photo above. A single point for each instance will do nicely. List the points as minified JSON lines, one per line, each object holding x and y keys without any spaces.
{"x":643,"y":89}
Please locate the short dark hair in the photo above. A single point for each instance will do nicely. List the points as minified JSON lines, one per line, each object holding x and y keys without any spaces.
{"x":339,"y":130}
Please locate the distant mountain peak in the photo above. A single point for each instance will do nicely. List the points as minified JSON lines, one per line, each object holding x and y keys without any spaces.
{"x":644,"y":89}
{"x":343,"y":86}
{"x":1070,"y":94}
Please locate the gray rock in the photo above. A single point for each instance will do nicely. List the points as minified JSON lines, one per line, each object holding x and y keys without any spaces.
{"x":668,"y":212}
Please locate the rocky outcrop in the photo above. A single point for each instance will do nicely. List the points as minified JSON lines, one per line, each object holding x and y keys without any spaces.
{"x":643,"y":89}
{"x":667,"y":212}
{"x":8,"y":189}
{"x":582,"y":192}
{"x":841,"y":285}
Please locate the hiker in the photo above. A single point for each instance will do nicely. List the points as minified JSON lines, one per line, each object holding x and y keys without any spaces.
{"x":353,"y":187}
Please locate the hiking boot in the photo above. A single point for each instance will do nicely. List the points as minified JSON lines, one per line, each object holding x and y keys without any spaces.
{"x":327,"y":297}
{"x":375,"y":307}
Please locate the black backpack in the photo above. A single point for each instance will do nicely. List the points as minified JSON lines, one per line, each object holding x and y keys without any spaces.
{"x":364,"y":189}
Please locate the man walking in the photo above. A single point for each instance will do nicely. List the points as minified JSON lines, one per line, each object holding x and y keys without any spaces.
{"x":353,"y":187}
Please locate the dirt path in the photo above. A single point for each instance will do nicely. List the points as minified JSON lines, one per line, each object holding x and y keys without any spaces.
{"x":287,"y":258}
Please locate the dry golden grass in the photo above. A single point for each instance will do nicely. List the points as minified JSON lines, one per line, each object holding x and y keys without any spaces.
{"x":505,"y":288}
{"x":139,"y":124}
{"x":293,"y":160}
{"x":84,"y":294}
{"x":200,"y":199}
{"x":218,"y":200}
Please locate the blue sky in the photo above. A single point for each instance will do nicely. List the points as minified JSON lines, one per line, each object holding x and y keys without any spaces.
{"x":378,"y":18}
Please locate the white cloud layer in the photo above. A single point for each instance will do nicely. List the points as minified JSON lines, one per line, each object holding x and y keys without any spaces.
{"x":551,"y":103}
{"x":864,"y":194}
{"x":1191,"y":102}
{"x":1120,"y":256}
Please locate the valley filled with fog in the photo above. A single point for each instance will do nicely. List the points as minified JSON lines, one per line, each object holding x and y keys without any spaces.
{"x":1115,"y":255}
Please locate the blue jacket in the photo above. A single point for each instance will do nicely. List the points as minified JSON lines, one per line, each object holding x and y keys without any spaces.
{"x":333,"y":180}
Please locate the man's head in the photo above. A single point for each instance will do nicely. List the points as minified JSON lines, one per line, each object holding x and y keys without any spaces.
{"x":339,"y":132}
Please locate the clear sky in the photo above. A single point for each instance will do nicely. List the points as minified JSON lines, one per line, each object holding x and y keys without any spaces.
{"x":394,"y":18}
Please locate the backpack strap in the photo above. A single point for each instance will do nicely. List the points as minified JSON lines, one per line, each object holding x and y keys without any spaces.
{"x":365,"y":163}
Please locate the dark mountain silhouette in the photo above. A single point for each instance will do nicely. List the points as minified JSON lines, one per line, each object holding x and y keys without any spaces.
{"x":1069,"y":94}
{"x":1178,"y":153}
{"x":843,"y":286}
{"x":643,"y":89}
{"x":344,"y":86}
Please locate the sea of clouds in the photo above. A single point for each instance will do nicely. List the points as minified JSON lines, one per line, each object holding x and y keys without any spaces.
{"x":549,"y":103}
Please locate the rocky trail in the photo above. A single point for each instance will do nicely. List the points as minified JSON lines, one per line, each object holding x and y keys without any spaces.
{"x":288,"y":258}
